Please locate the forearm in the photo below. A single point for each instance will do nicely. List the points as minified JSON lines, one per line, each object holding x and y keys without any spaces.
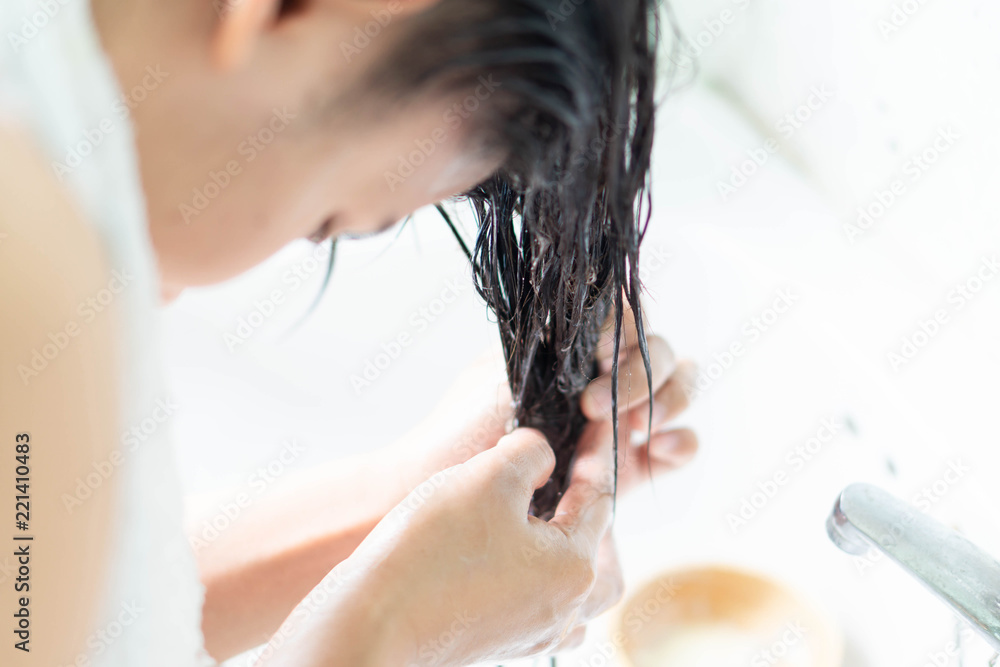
{"x":282,"y":544}
{"x":346,"y":621}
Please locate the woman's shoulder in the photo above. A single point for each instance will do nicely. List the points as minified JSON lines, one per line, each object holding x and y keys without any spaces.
{"x":49,"y":245}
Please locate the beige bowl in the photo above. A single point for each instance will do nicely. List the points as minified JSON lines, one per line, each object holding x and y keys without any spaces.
{"x":719,"y":617}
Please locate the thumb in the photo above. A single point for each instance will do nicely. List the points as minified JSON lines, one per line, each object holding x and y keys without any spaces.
{"x":520,"y":463}
{"x":585,"y":510}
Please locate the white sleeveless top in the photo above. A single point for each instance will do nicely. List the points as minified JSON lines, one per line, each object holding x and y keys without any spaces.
{"x":56,"y":81}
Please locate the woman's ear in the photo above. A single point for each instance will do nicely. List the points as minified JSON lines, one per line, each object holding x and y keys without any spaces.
{"x":241,"y":23}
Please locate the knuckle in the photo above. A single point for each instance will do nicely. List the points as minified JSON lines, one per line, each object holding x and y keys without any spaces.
{"x":508,"y":478}
{"x":575,"y":639}
{"x":529,"y":452}
{"x":550,"y":618}
{"x":583,"y":578}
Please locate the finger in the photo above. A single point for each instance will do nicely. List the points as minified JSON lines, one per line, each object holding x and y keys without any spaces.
{"x":669,"y":401}
{"x":584,"y":512}
{"x":667,"y":451}
{"x":521,"y":462}
{"x":632,"y":385}
{"x":630,"y":336}
{"x":610,"y":585}
{"x":483,"y":432}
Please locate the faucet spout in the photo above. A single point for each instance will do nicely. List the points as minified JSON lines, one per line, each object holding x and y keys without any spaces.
{"x":962,"y":575}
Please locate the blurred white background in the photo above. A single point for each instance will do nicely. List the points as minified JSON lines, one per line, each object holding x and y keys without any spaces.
{"x":885,"y":80}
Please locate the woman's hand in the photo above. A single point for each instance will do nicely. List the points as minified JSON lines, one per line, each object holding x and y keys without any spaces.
{"x":459,"y":572}
{"x":639,"y":455}
{"x":476,"y":411}
{"x":252,"y":585}
{"x":673,"y":382}
{"x":646,"y":449}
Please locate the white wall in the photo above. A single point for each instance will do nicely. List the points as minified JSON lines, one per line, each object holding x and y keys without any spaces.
{"x":857,"y":295}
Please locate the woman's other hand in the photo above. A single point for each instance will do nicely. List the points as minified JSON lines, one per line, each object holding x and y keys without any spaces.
{"x":459,"y":572}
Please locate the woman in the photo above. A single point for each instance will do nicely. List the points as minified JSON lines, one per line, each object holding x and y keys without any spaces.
{"x":146,"y":147}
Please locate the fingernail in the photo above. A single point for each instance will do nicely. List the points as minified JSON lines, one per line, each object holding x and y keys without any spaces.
{"x":666,"y":446}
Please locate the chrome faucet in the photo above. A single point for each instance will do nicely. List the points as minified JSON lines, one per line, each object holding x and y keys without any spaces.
{"x":961,"y":574}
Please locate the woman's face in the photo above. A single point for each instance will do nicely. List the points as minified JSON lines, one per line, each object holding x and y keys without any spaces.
{"x":237,"y":161}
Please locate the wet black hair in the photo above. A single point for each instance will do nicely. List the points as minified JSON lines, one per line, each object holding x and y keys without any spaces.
{"x":571,"y":106}
{"x":566,"y":93}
